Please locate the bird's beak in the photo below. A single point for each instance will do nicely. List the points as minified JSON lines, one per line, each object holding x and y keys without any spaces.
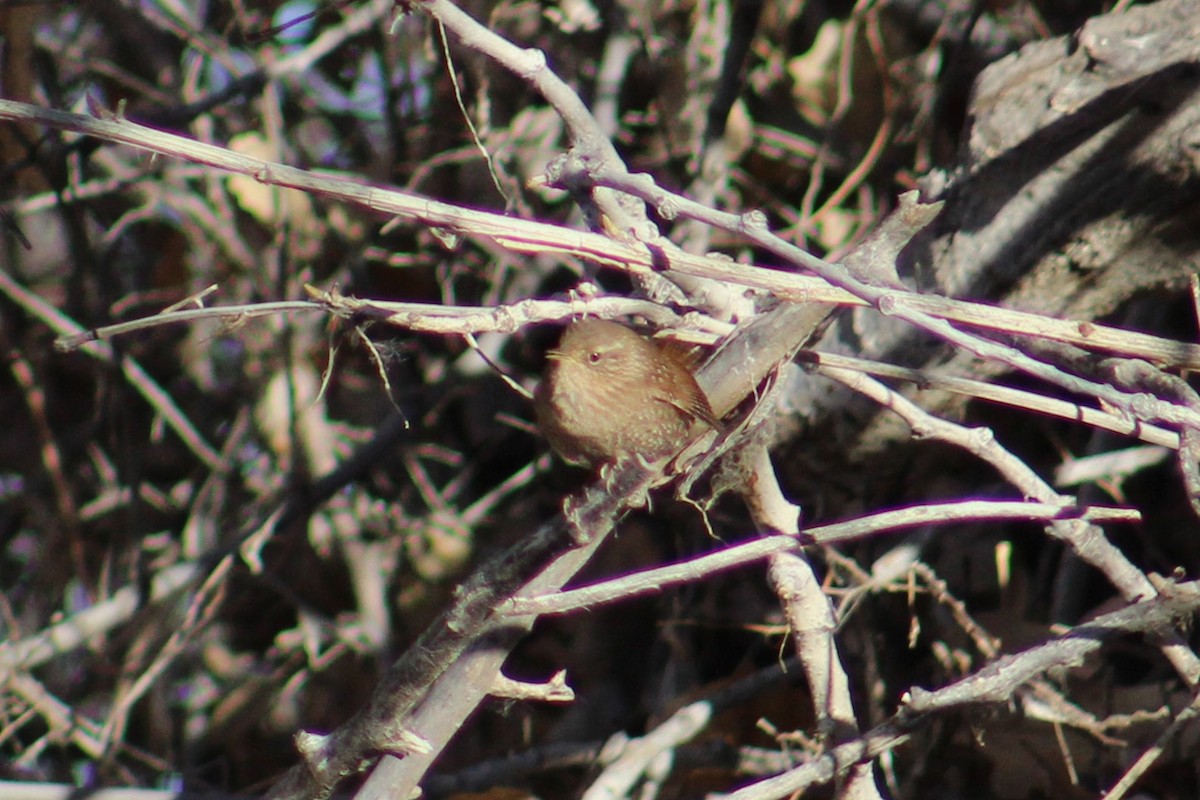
{"x":555,"y":355}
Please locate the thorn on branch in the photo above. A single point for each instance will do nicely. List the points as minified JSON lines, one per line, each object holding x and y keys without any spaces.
{"x":554,"y":690}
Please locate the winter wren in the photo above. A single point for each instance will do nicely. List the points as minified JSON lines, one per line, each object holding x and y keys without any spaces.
{"x":609,"y":394}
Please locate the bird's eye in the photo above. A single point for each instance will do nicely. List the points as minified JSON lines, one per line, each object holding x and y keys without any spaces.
{"x":594,"y":357}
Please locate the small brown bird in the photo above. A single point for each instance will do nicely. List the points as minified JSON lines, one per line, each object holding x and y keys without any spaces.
{"x":609,"y":394}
